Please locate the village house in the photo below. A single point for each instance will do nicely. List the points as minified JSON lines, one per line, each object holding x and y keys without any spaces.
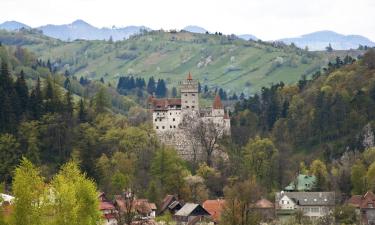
{"x":143,"y":209}
{"x":365,"y":206}
{"x":192,"y":213}
{"x":215,"y":208}
{"x":312,"y":204}
{"x":168,"y":115}
{"x":170,"y":204}
{"x":107,"y":209}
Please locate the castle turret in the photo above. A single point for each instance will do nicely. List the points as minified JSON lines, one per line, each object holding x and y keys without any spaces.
{"x":189,"y":94}
{"x":217,"y":107}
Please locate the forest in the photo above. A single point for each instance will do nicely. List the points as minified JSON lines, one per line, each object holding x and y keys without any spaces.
{"x":54,"y":126}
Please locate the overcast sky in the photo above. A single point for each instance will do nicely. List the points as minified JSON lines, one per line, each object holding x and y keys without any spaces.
{"x":266,"y":19}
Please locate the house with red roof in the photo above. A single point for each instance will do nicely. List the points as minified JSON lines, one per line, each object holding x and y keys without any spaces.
{"x":108,"y":210}
{"x":215,"y":208}
{"x":365,"y":205}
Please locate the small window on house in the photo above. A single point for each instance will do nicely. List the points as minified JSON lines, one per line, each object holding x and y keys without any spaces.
{"x":282,"y":202}
{"x":185,"y":94}
{"x":157,"y":127}
{"x":163,"y":127}
{"x":174,"y":126}
{"x":186,"y":101}
{"x":156,"y":120}
{"x":193,"y":94}
{"x":160,"y":119}
{"x":170,"y":126}
{"x":157,"y":113}
{"x":193,"y":107}
{"x":174,"y":119}
{"x":170,"y":113}
{"x":187,"y":106}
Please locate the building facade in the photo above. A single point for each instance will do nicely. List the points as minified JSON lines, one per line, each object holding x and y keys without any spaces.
{"x":169,"y":113}
{"x":313,"y":204}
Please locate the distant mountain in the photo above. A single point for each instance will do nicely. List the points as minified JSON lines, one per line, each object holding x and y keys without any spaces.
{"x":247,"y":37}
{"x":321,"y":39}
{"x":12,"y":25}
{"x":80,"y":29}
{"x":195,"y":29}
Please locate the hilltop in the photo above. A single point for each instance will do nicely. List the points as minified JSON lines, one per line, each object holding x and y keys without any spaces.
{"x":216,"y":60}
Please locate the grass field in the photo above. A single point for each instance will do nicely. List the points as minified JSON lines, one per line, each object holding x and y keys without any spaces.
{"x":217,"y":61}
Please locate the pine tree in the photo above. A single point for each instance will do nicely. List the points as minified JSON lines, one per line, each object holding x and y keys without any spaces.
{"x":7,"y":94}
{"x":161,"y":89}
{"x":82,"y":114}
{"x":69,"y":105}
{"x":151,"y":86}
{"x":36,"y":102}
{"x":22,"y":93}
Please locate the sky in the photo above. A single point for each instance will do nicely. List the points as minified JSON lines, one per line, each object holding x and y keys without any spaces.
{"x":266,"y":19}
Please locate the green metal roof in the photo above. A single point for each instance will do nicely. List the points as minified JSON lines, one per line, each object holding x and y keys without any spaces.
{"x":302,"y":183}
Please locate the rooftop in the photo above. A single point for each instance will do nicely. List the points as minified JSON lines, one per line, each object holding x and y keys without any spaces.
{"x":302,"y":183}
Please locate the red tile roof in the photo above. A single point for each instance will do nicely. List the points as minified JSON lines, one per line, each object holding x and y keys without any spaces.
{"x":164,"y":103}
{"x":214,"y":207}
{"x":106,"y":206}
{"x":217,"y":103}
{"x":363,"y":201}
{"x":142,"y":206}
{"x":189,"y":77}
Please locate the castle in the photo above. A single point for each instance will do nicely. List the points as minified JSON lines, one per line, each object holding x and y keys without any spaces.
{"x":168,"y":115}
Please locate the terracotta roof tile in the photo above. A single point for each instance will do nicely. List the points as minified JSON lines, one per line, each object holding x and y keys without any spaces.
{"x":217,"y":103}
{"x":214,"y":207}
{"x":189,"y":77}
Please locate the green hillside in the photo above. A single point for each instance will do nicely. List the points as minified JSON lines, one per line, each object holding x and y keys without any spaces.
{"x":223,"y":61}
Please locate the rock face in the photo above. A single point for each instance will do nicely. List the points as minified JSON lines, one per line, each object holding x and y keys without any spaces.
{"x":183,"y":124}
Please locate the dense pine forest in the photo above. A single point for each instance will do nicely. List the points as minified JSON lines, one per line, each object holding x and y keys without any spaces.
{"x":52,"y":123}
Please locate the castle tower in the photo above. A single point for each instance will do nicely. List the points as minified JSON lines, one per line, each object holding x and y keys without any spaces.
{"x":189,"y":94}
{"x":217,"y":107}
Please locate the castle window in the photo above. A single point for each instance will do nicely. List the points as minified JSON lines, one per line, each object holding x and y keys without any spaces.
{"x":160,"y":119}
{"x":174,"y":119}
{"x":163,"y":127}
{"x":193,"y":107}
{"x":170,"y":113}
{"x":187,"y":106}
{"x":157,"y":127}
{"x":174,"y":126}
{"x":170,"y":126}
{"x":156,"y":120}
{"x":157,"y":113}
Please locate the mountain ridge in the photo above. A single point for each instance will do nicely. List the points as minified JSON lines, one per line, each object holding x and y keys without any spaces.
{"x":319,"y":40}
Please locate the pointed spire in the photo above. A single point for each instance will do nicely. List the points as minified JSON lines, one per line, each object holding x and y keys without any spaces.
{"x":189,"y":77}
{"x":217,"y":102}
